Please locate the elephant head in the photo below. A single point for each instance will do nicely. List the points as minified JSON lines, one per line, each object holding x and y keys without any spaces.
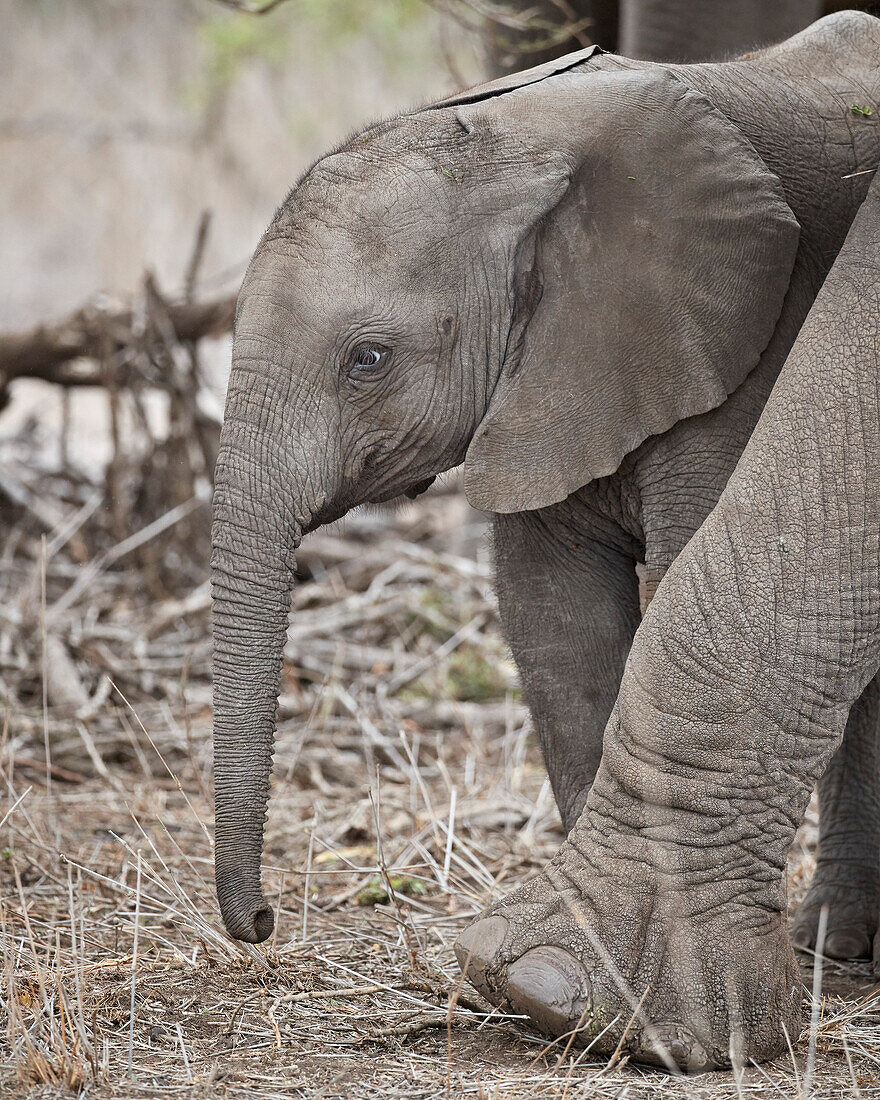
{"x":531,"y":277}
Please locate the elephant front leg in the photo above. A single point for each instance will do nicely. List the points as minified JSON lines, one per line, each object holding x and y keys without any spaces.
{"x":847,"y":876}
{"x":570,"y":606}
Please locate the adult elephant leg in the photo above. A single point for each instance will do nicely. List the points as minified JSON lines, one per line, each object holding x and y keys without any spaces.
{"x":569,"y":604}
{"x":676,"y":496}
{"x":702,"y":30}
{"x":847,"y":877}
{"x":666,"y":905}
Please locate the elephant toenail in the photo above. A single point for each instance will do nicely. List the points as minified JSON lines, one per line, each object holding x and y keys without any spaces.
{"x":847,"y":945}
{"x":549,"y":985}
{"x":802,"y":938}
{"x":672,"y":1041}
{"x":477,"y":947}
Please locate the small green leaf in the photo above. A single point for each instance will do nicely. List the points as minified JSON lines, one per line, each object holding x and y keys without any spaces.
{"x":376,"y":891}
{"x":473,"y":678}
{"x":865,"y":112}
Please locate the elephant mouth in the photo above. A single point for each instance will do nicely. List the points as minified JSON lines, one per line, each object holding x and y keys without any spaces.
{"x":419,"y":487}
{"x":323,"y":516}
{"x":333,"y":511}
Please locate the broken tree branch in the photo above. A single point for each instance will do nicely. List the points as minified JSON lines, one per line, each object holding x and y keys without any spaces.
{"x":70,"y":352}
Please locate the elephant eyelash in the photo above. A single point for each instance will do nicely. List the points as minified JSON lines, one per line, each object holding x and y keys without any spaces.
{"x":366,"y":360}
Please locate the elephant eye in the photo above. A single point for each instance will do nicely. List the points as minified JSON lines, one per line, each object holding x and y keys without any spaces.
{"x":366,"y":358}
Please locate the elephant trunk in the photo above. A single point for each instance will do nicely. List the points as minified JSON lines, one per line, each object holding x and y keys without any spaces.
{"x":255,"y":535}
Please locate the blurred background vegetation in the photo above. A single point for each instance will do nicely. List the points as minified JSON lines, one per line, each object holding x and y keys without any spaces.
{"x":122,"y":120}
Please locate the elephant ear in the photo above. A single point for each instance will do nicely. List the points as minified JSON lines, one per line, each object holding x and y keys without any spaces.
{"x":521,"y":79}
{"x":654,"y":283}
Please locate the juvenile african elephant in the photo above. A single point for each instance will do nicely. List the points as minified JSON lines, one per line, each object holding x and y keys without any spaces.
{"x":582,"y":282}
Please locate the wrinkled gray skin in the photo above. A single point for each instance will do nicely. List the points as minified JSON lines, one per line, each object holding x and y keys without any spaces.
{"x":848,"y":872}
{"x":653,"y":30}
{"x":734,"y":697}
{"x":588,"y":278}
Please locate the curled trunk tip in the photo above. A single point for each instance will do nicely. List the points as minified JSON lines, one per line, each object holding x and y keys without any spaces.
{"x":246,"y":913}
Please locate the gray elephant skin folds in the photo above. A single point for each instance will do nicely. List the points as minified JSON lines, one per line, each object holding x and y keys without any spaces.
{"x":639,"y":303}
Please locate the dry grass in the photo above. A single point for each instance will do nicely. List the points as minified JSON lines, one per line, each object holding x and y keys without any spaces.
{"x":407,"y":794}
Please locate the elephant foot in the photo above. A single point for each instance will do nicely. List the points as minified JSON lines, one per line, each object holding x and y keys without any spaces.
{"x":674,"y":968}
{"x":851,"y":893}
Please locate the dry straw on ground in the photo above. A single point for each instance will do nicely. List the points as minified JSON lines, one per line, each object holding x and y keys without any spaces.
{"x":407,"y":794}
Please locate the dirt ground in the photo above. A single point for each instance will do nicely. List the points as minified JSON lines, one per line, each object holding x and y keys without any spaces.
{"x":407,"y":794}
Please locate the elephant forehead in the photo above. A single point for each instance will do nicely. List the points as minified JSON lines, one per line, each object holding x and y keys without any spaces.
{"x":318,"y":280}
{"x":326,"y":277}
{"x":374,"y":197}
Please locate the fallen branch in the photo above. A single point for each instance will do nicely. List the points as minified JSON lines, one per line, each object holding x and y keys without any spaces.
{"x":64,"y":775}
{"x":56,"y":352}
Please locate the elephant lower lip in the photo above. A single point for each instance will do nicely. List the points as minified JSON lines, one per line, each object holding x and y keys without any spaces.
{"x":420,"y":487}
{"x":322,"y":517}
{"x":329,"y":513}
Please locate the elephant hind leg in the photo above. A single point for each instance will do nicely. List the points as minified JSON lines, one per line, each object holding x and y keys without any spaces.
{"x":847,"y":877}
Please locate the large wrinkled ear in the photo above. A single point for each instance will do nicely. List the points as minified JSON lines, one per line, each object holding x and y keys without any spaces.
{"x":661,"y":272}
{"x":491,"y":88}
